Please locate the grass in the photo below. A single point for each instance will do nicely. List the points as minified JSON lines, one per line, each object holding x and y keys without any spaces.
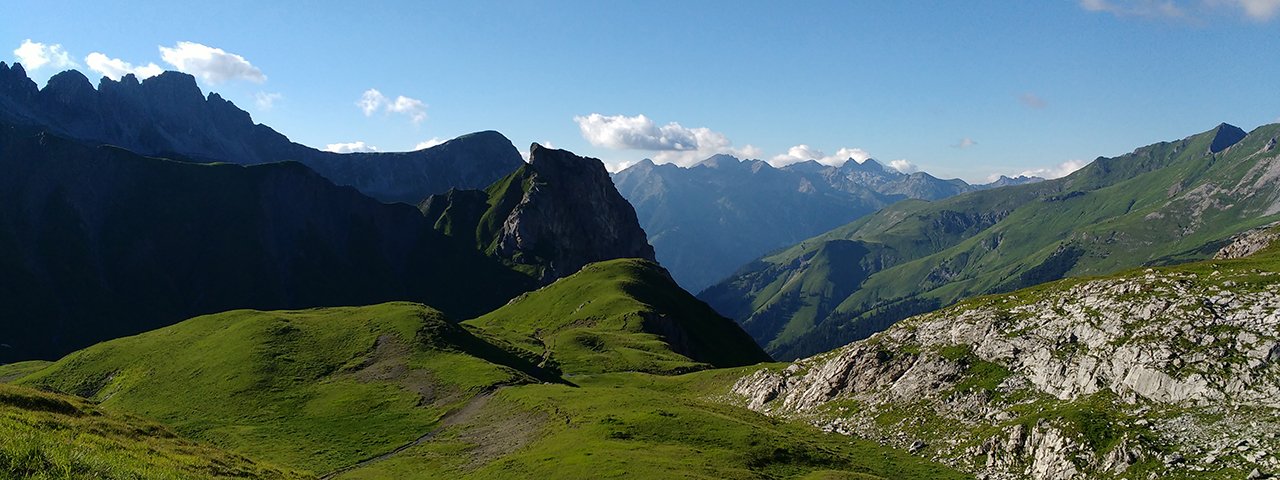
{"x":311,"y":389}
{"x":12,"y":371}
{"x":48,"y":436}
{"x":333,"y":390}
{"x":619,"y":315}
{"x":634,"y":425}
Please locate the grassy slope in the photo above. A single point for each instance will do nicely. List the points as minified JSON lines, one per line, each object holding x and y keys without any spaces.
{"x":312,"y":389}
{"x":620,"y":315}
{"x":633,"y":425}
{"x":48,"y":436}
{"x":1114,"y":214}
{"x":317,"y":391}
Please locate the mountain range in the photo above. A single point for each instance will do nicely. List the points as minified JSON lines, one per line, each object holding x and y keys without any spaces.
{"x":1164,"y":203}
{"x":708,"y":220}
{"x":182,"y":300}
{"x":168,"y":116}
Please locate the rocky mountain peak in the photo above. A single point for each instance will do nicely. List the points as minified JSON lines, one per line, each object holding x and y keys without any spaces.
{"x":869,"y":165}
{"x":719,"y":161}
{"x":69,"y":87}
{"x":1224,"y":136}
{"x":570,"y":215}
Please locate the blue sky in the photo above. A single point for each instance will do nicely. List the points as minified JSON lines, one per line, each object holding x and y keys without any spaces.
{"x":960,"y":89}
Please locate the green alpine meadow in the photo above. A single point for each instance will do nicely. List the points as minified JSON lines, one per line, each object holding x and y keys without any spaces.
{"x":566,"y":240}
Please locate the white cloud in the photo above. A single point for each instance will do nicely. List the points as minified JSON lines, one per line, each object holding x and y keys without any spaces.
{"x":433,"y":141}
{"x":1060,"y":170}
{"x":116,"y":69}
{"x":1032,"y":100}
{"x":802,"y":152}
{"x":902,"y":165}
{"x":674,"y":143}
{"x":33,"y":55}
{"x":621,"y":132}
{"x":412,"y":107}
{"x":266,"y":101}
{"x":213,"y":65}
{"x":965,"y":142}
{"x":372,"y":100}
{"x":350,"y":147}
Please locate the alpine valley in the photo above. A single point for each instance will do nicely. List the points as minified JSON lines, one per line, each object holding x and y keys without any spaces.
{"x":189,"y":294}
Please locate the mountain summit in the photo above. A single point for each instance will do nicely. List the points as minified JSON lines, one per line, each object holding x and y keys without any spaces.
{"x":552,"y":216}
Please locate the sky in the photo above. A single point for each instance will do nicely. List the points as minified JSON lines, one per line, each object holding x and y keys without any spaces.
{"x":968,"y":89}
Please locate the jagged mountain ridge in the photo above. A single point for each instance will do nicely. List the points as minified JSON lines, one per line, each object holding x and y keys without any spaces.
{"x":1164,"y":203}
{"x":1155,"y":373}
{"x":168,"y":116}
{"x":707,"y":220}
{"x":115,"y":231}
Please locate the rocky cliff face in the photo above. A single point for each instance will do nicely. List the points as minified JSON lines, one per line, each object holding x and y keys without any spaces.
{"x":168,"y":116}
{"x":1162,"y":373}
{"x":569,"y":215}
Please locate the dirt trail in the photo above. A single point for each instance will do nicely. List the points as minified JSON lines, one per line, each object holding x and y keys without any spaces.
{"x":454,"y":417}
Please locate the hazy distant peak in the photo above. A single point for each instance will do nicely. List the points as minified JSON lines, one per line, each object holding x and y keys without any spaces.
{"x":719,"y":160}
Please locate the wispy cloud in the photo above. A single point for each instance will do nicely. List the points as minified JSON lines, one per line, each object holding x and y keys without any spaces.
{"x":210,"y":64}
{"x":34,"y":55}
{"x":1257,"y":10}
{"x":965,"y":142}
{"x":1260,"y":10}
{"x":1032,"y":100}
{"x":350,"y":147}
{"x":266,"y":101}
{"x":115,"y":68}
{"x":1135,"y":8}
{"x":1060,"y":170}
{"x":902,"y":165}
{"x":373,"y":100}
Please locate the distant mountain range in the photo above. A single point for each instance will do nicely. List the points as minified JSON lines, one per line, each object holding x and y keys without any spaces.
{"x":168,"y":116}
{"x":1164,"y":203}
{"x":708,"y":220}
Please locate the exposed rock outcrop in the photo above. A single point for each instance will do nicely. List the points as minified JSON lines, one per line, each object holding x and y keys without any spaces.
{"x":1174,"y":371}
{"x":570,"y":215}
{"x":1250,"y":242}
